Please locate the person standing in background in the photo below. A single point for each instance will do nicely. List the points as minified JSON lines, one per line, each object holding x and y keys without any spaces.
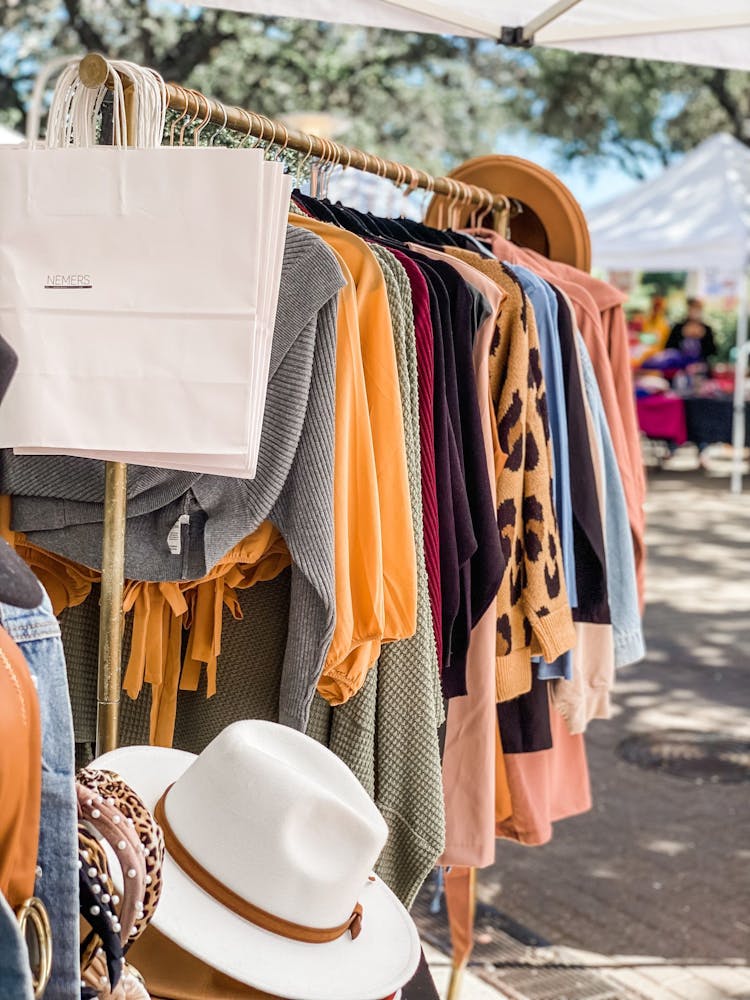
{"x":656,"y":324}
{"x":693,"y":337}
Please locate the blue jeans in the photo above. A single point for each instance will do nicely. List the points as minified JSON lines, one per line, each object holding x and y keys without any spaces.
{"x":37,"y":633}
{"x":15,"y":977}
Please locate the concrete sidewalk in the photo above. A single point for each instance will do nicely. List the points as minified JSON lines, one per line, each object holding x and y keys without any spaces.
{"x":659,"y":868}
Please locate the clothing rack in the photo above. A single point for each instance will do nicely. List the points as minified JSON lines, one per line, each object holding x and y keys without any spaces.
{"x":197,"y":110}
{"x":94,"y":72}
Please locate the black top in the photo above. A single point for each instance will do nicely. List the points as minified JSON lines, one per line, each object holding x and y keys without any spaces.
{"x":481,"y":560}
{"x":694,"y":339}
{"x":524,"y":723}
{"x":588,"y":533}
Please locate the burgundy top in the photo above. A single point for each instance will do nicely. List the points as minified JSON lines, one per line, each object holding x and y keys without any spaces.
{"x":426,"y":375}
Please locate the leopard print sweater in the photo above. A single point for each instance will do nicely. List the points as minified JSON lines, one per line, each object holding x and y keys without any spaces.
{"x":533,"y":613}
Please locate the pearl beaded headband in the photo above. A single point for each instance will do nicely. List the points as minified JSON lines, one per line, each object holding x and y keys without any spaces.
{"x":108,"y":823}
{"x":111,"y":813}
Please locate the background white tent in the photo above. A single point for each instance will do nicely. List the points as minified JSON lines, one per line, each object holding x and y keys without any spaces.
{"x":694,"y":216}
{"x":692,"y":31}
{"x":8,"y":136}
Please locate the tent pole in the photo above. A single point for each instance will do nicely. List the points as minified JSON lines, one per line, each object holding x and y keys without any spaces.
{"x":552,"y":13}
{"x":740,"y":369}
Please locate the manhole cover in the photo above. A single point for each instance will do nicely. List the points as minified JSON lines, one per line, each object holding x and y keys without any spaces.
{"x":696,"y":756}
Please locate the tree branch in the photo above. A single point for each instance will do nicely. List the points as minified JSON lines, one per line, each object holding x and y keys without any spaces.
{"x":147,"y":41}
{"x":195,"y":48}
{"x":9,"y":96}
{"x":718,"y":84}
{"x":89,"y":36}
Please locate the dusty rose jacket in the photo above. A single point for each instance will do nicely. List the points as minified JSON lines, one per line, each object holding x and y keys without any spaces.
{"x":601,"y":320}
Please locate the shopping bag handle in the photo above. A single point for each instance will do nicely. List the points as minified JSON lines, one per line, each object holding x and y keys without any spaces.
{"x":75,"y":107}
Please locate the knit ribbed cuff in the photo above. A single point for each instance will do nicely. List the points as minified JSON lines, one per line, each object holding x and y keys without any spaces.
{"x":555,"y":633}
{"x":629,"y":647}
{"x":512,"y":675}
{"x":578,"y":706}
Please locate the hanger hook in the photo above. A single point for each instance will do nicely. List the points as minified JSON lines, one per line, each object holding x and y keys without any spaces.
{"x":261,"y":122}
{"x":272,"y":142}
{"x":301,"y":163}
{"x":457,"y":198}
{"x":191,"y":95}
{"x":222,"y":128}
{"x":199,"y":130}
{"x":282,"y":149}
{"x":248,"y":129}
{"x":308,"y":154}
{"x":180,"y":116}
{"x":413,"y":185}
{"x":330,"y":166}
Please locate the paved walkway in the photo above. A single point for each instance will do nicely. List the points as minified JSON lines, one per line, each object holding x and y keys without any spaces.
{"x":653,"y":886}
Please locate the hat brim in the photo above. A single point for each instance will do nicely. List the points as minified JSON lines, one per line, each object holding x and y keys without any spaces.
{"x":379,"y":962}
{"x":552,"y":223}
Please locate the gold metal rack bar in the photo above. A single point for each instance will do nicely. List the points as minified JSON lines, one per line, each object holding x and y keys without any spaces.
{"x":109,"y":679}
{"x":94,"y":71}
{"x":111,"y":618}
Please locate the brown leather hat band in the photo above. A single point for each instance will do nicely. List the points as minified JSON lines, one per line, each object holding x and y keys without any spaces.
{"x":218,"y":891}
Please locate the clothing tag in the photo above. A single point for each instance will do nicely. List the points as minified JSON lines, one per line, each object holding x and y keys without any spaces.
{"x":174,"y":538}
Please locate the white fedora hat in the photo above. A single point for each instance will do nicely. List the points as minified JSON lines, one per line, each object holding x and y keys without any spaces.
{"x":271,"y":842}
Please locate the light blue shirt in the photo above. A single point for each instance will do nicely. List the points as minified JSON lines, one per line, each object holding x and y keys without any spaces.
{"x":544,"y":302}
{"x":618,"y":540}
{"x":37,"y":634}
{"x":15,"y":974}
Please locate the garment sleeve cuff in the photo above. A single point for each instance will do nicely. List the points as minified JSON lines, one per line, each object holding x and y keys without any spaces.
{"x":629,"y":647}
{"x":579,"y":706}
{"x":513,"y":675}
{"x":555,"y":633}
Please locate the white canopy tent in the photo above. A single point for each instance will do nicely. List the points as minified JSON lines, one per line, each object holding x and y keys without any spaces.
{"x":8,"y":136}
{"x":691,"y":31}
{"x":694,"y":216}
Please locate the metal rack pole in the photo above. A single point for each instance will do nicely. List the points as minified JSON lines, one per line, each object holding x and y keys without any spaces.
{"x":109,"y":676}
{"x":455,"y":985}
{"x":109,"y":671}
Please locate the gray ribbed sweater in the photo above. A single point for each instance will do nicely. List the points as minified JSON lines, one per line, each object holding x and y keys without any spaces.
{"x":58,"y":502}
{"x":388,"y":732}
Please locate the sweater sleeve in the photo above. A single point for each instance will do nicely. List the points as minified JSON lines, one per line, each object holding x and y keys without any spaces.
{"x":545,"y":599}
{"x":508,"y":381}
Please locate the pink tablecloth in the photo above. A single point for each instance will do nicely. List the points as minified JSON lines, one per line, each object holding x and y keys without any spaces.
{"x":662,"y":417}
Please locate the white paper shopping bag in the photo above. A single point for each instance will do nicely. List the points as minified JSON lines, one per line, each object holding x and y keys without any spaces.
{"x":129,"y":286}
{"x":273,"y":206}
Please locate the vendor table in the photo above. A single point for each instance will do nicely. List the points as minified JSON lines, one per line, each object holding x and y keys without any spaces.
{"x":702,"y":420}
{"x":710,"y":420}
{"x":663,"y":417}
